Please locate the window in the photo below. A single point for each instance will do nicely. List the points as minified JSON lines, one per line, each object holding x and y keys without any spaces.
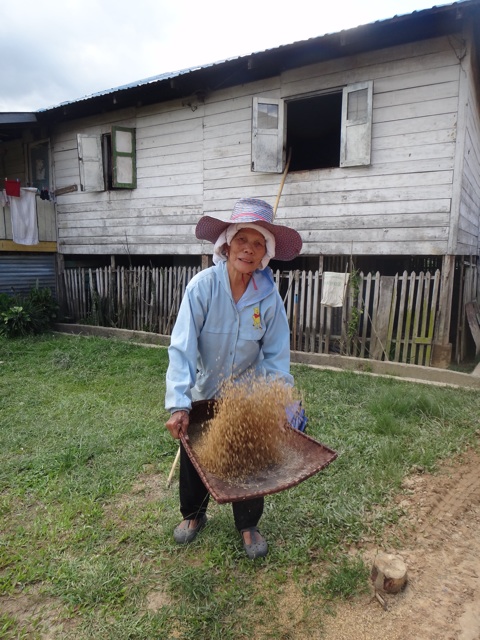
{"x":39,"y":165}
{"x":324,"y":130}
{"x":107,"y":161}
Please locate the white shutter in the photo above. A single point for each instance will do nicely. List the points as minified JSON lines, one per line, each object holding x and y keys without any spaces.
{"x":124,"y":158}
{"x":90,"y":161}
{"x":356,"y":139}
{"x":268,"y":135}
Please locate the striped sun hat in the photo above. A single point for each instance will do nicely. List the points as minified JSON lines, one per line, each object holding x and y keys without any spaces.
{"x":288,"y":242}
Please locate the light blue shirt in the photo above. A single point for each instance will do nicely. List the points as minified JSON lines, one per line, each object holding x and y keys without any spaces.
{"x":215,"y":339}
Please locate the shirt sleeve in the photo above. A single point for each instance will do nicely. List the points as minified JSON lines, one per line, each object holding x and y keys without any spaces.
{"x":182,"y":353}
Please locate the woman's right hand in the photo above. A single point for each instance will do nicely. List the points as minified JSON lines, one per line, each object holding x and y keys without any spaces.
{"x":178,"y":423}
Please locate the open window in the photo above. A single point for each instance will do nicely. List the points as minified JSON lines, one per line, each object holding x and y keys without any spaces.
{"x":107,"y":161}
{"x":323,"y":130}
{"x":39,"y":165}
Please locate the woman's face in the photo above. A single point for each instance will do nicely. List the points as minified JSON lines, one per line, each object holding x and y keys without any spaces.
{"x":246,"y":250}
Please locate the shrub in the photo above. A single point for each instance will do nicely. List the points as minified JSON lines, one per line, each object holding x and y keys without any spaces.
{"x":16,"y":322}
{"x":42,"y":308}
{"x":30,"y":314}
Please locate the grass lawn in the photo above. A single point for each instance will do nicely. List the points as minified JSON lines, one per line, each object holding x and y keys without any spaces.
{"x":86,"y":547}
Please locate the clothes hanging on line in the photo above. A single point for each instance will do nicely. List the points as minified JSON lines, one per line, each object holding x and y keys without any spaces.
{"x":12,"y":188}
{"x":334,"y":287}
{"x":23,"y":211}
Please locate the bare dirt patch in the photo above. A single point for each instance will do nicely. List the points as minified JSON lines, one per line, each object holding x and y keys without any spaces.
{"x":439,"y":540}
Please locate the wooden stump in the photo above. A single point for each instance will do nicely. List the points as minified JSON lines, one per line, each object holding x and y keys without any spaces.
{"x":389,"y":573}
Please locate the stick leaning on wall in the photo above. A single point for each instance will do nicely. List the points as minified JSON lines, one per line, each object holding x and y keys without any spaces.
{"x":284,"y":176}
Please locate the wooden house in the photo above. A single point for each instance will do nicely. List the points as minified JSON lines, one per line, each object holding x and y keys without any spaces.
{"x":380,"y":125}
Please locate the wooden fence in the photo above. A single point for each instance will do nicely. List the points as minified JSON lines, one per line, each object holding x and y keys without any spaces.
{"x":382,"y":317}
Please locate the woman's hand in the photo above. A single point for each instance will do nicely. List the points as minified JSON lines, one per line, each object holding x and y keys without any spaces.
{"x":178,"y":423}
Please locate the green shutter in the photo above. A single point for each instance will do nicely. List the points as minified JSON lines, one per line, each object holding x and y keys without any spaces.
{"x":124,"y":158}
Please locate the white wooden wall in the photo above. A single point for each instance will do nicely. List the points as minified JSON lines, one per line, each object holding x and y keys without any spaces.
{"x":466,"y":241}
{"x":196,"y":158}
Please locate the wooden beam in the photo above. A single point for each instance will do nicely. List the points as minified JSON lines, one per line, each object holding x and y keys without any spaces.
{"x":442,"y":329}
{"x":41,"y":247}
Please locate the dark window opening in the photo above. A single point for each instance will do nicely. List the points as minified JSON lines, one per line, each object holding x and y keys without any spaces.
{"x":314,"y":132}
{"x":107,"y":156}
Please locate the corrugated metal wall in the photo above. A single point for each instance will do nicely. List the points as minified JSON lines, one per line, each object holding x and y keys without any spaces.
{"x":20,"y":272}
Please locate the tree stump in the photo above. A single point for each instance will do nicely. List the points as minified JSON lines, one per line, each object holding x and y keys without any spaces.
{"x":389,"y":573}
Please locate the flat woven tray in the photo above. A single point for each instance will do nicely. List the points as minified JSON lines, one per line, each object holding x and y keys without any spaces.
{"x":304,"y":457}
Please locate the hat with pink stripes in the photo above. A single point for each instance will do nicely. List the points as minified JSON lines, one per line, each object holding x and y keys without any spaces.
{"x":288,"y":242}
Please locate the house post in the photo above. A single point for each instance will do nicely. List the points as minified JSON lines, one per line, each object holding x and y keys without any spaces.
{"x":442,"y":347}
{"x":61,"y":291}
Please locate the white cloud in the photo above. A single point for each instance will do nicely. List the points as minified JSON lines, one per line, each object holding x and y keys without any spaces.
{"x":55,"y":52}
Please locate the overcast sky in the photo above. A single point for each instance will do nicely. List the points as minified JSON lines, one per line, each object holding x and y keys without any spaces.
{"x":58,"y":51}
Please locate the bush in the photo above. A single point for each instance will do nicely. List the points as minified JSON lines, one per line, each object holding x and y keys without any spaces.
{"x":31,"y":314}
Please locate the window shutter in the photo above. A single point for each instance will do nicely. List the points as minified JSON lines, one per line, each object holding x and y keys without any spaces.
{"x":90,"y":162}
{"x":124,"y":158}
{"x":268,"y":135}
{"x":356,"y":138}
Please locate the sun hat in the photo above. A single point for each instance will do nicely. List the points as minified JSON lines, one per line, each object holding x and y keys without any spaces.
{"x":288,"y":242}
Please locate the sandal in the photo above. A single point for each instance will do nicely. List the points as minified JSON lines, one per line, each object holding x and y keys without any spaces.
{"x":184,"y":533}
{"x":257,"y":549}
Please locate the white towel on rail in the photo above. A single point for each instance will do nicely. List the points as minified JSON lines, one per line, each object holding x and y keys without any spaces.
{"x":334,"y":287}
{"x":24,"y":217}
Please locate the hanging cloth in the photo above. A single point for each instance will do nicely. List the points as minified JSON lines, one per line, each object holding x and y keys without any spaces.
{"x":24,"y":217}
{"x":334,"y":287}
{"x":12,"y":187}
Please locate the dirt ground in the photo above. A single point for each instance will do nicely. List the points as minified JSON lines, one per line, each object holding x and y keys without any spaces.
{"x":439,"y":540}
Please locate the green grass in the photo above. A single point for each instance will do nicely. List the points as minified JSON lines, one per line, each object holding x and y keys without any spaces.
{"x":86,"y":542}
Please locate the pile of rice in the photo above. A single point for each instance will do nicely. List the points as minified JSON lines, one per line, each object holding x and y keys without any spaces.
{"x":247,"y":433}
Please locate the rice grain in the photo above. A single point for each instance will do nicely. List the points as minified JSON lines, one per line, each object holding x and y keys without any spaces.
{"x":247,"y":432}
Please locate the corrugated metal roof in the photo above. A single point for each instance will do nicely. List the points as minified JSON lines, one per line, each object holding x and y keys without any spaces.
{"x":17,"y":117}
{"x":201,"y":80}
{"x":170,"y":75}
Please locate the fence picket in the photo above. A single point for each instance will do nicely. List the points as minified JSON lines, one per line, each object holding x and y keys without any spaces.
{"x":315,"y":311}
{"x":416,"y":317}
{"x":149,"y":298}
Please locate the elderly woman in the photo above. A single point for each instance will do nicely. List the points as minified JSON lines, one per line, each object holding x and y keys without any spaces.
{"x":231,"y":321}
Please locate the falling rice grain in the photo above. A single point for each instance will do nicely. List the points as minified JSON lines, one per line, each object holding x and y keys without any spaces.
{"x":247,"y":433}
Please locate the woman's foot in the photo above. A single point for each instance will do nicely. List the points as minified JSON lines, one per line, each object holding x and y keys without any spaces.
{"x":254,"y":544}
{"x":188,"y":529}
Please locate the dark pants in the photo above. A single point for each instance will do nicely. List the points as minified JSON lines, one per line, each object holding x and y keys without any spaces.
{"x":194,"y":497}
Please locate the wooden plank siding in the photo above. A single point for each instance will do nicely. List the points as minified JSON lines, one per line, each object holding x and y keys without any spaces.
{"x":469,"y":208}
{"x":194,"y":157}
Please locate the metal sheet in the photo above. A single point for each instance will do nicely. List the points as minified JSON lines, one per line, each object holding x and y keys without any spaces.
{"x":19,"y":272}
